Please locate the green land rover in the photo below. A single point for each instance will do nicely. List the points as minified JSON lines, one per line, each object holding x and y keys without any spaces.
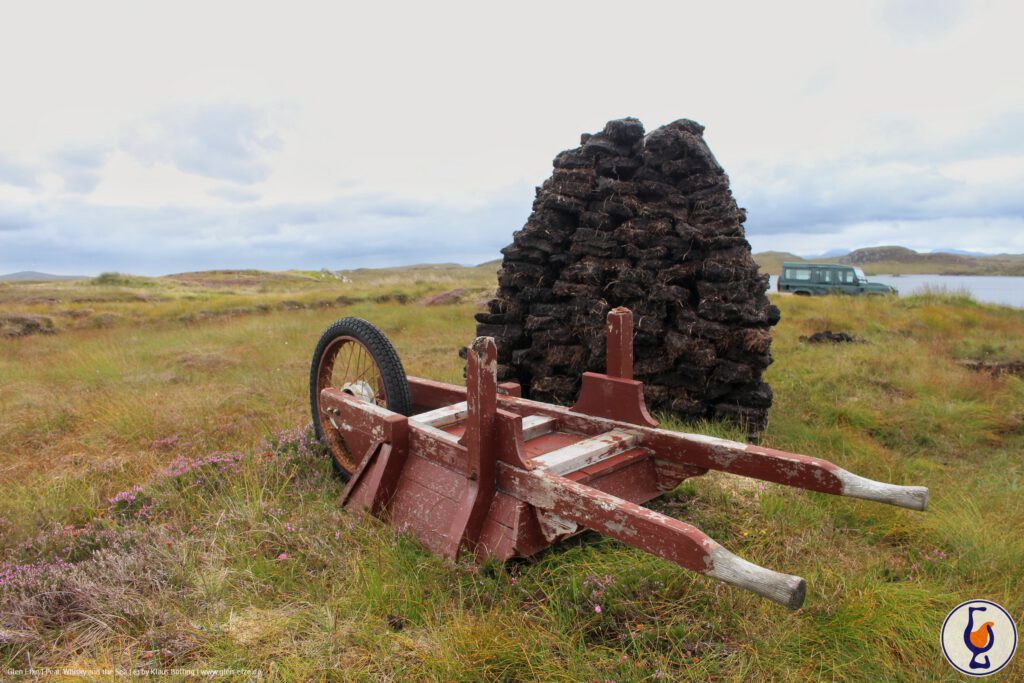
{"x":827,"y":278}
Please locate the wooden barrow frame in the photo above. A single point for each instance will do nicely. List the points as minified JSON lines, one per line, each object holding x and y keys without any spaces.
{"x":481,"y":469}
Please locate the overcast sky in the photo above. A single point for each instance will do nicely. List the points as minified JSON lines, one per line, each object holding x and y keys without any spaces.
{"x":156,"y":138}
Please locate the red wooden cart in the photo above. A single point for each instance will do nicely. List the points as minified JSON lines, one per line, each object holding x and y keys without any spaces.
{"x":481,"y":469}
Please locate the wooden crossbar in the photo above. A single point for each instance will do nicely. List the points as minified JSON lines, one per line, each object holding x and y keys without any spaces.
{"x":442,"y":416}
{"x":586,"y":452}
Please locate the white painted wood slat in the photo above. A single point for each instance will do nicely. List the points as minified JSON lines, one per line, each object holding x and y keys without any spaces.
{"x":442,"y":416}
{"x":586,"y":452}
{"x":537,"y":425}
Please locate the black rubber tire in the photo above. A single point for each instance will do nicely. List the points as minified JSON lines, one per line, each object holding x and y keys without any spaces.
{"x":392,"y":374}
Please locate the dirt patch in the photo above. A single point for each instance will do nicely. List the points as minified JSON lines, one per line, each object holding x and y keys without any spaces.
{"x":455,"y":296}
{"x":830,"y":337}
{"x":25,"y":325}
{"x":996,"y":368}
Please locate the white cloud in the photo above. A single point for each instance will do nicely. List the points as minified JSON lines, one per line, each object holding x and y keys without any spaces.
{"x":14,"y":173}
{"x":225,"y":142}
{"x":198,"y":125}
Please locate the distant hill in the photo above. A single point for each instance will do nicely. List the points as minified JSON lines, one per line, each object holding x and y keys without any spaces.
{"x":873,"y":255}
{"x":898,"y":260}
{"x":771,"y":261}
{"x":34,"y":276}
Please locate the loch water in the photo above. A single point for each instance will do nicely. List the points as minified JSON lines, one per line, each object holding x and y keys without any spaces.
{"x":989,"y":289}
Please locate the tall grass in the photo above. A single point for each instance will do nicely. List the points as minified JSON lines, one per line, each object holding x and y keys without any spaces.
{"x":162,"y":509}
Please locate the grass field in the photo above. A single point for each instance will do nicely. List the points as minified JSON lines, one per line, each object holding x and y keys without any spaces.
{"x":164,"y":506}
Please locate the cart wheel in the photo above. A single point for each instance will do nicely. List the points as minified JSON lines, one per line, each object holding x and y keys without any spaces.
{"x":357,"y":358}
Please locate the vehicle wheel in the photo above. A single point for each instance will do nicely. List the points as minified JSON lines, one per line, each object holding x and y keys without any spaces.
{"x":357,"y":358}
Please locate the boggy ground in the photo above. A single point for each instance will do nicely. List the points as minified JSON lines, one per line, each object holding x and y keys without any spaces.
{"x":165,"y":508}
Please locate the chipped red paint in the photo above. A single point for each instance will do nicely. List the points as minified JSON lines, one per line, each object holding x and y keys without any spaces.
{"x":480,"y":481}
{"x":479,"y":439}
{"x":620,"y":343}
{"x":613,"y":398}
{"x":428,"y":394}
{"x":615,"y":394}
{"x":510,"y":389}
{"x":588,"y":507}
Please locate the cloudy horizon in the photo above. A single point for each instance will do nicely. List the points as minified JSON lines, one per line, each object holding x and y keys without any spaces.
{"x":159,"y":139}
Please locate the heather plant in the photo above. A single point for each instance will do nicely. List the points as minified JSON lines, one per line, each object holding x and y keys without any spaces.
{"x":45,"y":603}
{"x":130,"y":503}
{"x":71,"y":543}
{"x":193,"y":469}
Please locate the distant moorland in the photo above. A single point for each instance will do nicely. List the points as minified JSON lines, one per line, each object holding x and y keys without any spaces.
{"x":903,"y":261}
{"x":873,"y":260}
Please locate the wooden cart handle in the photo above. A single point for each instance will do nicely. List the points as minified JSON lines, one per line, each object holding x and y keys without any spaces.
{"x":647,"y":530}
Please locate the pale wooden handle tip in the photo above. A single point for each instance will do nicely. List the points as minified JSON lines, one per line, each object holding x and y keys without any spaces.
{"x":785,"y":589}
{"x":856,"y":486}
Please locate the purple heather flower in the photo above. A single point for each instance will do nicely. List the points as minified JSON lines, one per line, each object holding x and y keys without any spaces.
{"x":10,"y":573}
{"x":126,"y":497}
{"x":182,"y":465}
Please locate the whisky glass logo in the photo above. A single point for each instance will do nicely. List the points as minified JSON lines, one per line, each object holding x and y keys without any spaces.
{"x":978,"y":637}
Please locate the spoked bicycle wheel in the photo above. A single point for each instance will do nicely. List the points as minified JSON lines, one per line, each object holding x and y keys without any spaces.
{"x":357,"y":358}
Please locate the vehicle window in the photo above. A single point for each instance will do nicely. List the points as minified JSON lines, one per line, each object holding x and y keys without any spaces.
{"x":846,"y":277}
{"x":798,"y":274}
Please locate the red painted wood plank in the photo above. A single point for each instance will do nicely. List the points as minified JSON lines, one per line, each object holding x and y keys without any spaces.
{"x":610,"y":465}
{"x":428,"y":394}
{"x":550,"y":442}
{"x":635,"y":480}
{"x":357,"y":494}
{"x":424,"y":514}
{"x":479,"y":438}
{"x":448,"y":452}
{"x":437,"y":478}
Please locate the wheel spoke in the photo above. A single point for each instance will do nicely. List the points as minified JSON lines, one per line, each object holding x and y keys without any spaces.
{"x":348,"y":360}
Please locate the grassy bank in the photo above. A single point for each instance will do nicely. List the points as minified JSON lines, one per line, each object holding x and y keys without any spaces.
{"x":165,"y":508}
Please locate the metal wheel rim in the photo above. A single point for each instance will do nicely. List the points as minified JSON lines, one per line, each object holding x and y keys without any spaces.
{"x":360,"y":366}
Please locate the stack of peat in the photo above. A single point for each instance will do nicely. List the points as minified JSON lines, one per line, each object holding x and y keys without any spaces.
{"x":648,"y":223}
